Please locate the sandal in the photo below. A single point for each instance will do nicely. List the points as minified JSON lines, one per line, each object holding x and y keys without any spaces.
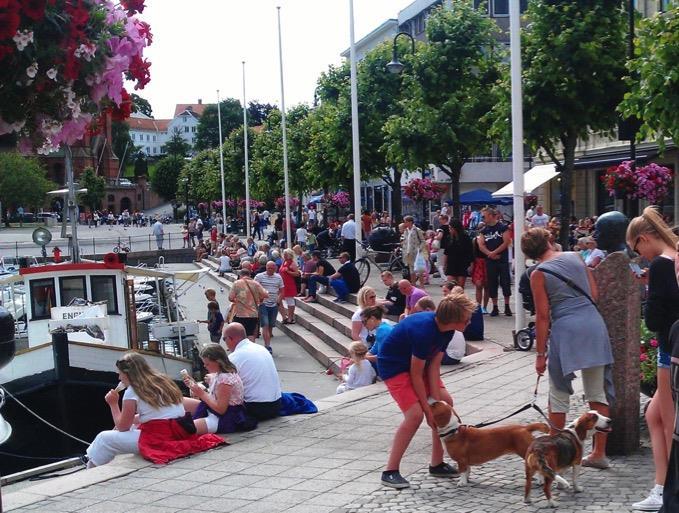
{"x":292,"y":322}
{"x":601,"y":463}
{"x":285,"y":321}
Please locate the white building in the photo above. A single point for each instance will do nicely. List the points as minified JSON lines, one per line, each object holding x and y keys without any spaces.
{"x":185,"y":121}
{"x":385,"y":32}
{"x":148,"y":134}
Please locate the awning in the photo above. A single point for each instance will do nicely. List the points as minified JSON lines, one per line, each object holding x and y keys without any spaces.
{"x":8,"y":279}
{"x":532,"y":179}
{"x":482,"y":197}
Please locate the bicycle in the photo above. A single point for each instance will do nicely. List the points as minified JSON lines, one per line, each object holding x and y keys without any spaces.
{"x":121,"y":247}
{"x":395,"y":263}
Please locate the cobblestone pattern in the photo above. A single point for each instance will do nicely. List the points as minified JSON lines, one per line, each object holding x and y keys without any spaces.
{"x":331,"y":462}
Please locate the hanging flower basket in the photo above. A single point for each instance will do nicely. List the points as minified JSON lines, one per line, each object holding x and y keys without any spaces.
{"x":216,"y":205}
{"x":650,"y":182}
{"x":253,"y":203}
{"x":423,"y":189}
{"x":280,"y":202}
{"x":63,"y":66}
{"x":202,"y":206}
{"x":339,"y":199}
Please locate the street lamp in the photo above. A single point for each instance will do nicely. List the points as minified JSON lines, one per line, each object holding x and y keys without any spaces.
{"x":396,"y":66}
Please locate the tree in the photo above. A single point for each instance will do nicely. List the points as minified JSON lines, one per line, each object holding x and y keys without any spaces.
{"x":177,"y":145}
{"x":23,"y":182}
{"x":141,"y":166}
{"x":139,"y":104}
{"x":207,"y":135}
{"x":573,"y":68}
{"x":447,"y":95}
{"x":654,"y":88}
{"x":96,"y":189}
{"x":258,"y":112}
{"x":123,"y":147}
{"x":164,"y":181}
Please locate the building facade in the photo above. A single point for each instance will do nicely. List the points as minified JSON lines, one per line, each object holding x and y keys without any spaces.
{"x":148,"y":134}
{"x":185,"y":121}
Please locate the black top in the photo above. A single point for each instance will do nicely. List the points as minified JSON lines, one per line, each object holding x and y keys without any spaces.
{"x":662,"y":304}
{"x":397,"y":299}
{"x":328,"y":269}
{"x":350,"y":276}
{"x":492,"y":235}
{"x":445,"y":240}
{"x":460,"y":255}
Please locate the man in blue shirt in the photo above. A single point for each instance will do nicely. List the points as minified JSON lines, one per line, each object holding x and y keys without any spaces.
{"x":409,"y":362}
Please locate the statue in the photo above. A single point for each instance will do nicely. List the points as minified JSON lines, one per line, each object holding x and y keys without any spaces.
{"x":620,"y":306}
{"x":610,"y":230}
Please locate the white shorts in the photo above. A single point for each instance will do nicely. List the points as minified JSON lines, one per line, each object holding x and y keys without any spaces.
{"x":289,"y":301}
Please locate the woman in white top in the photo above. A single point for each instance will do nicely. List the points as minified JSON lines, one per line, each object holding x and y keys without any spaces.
{"x":366,"y":296}
{"x":224,"y":263}
{"x":150,"y":395}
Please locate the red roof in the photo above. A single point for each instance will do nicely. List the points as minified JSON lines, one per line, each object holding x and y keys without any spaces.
{"x":196,"y":108}
{"x":155,"y":125}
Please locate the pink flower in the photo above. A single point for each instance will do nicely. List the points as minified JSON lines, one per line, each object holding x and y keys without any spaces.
{"x":643,"y":357}
{"x":653,"y":342}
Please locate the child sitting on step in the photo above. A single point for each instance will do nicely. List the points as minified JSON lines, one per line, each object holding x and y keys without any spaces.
{"x":360,"y":372}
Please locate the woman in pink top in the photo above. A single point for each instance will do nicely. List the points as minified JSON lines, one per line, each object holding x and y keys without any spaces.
{"x":289,"y":271}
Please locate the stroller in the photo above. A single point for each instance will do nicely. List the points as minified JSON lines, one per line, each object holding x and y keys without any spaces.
{"x":525,"y":337}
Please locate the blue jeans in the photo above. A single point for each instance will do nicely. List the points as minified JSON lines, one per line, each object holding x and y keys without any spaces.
{"x":314,"y":280}
{"x":341,"y":288}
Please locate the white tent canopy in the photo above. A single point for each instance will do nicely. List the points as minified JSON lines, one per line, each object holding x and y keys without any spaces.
{"x":532,"y":179}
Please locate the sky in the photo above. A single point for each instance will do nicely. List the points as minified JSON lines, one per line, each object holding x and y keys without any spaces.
{"x":198,"y":47}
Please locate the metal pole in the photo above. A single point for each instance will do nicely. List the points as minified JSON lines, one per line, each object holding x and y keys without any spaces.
{"x":247,"y":164}
{"x":288,"y":230}
{"x":632,"y":204}
{"x":72,"y":205}
{"x":354,"y":132}
{"x":221,"y":157}
{"x":517,"y":157}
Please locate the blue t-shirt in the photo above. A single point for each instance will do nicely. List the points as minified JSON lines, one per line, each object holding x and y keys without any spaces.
{"x":417,"y":335}
{"x":381,"y":333}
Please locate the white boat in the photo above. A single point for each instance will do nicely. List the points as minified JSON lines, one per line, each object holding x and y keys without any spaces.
{"x":99,"y":332}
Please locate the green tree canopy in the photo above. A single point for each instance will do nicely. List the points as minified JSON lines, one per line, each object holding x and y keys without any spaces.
{"x":258,"y":112}
{"x":139,"y":104}
{"x":654,"y":90}
{"x":447,"y":94}
{"x":164,"y":181}
{"x":23,"y":182}
{"x":207,"y":135}
{"x":177,"y":145}
{"x":123,"y":146}
{"x":573,"y":68}
{"x":96,"y":189}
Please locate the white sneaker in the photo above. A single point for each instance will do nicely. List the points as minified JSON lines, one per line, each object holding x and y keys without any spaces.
{"x":651,"y":503}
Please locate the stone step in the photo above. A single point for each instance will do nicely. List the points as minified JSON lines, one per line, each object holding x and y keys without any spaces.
{"x":336,"y":339}
{"x":327,"y":356}
{"x":339,"y":321}
{"x":346,"y":309}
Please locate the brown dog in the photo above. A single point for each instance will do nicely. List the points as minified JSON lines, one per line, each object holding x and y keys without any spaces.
{"x":473,"y":446}
{"x":547,"y":455}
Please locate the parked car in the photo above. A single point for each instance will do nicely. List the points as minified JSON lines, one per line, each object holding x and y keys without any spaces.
{"x":126,"y":182}
{"x":29,"y":217}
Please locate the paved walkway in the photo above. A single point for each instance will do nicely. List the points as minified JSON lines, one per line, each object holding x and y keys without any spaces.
{"x":331,"y":462}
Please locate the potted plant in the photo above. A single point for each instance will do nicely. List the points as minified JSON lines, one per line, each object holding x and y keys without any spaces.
{"x":653,"y":182}
{"x":648,"y":359}
{"x":620,"y":181}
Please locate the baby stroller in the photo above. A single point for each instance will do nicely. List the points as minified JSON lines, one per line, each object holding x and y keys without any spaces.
{"x":525,"y":337}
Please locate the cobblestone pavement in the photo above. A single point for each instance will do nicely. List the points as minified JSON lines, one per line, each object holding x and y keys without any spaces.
{"x":331,"y":462}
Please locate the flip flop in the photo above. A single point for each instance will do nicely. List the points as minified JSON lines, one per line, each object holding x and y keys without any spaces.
{"x":601,"y":464}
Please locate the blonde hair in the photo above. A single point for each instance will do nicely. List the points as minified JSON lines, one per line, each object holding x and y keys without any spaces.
{"x":357,"y":350}
{"x":151,"y":386}
{"x":288,"y":254}
{"x":362,"y":296}
{"x":453,"y":307}
{"x":651,"y":223}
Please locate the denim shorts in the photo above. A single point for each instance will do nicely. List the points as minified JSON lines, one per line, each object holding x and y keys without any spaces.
{"x":664,"y":359}
{"x":267,"y":315}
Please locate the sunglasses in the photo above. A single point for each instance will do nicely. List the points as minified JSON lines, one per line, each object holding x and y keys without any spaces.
{"x":636,"y":243}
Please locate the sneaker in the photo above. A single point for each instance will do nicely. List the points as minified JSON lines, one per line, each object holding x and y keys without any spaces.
{"x":394,"y":479}
{"x":484,"y":311}
{"x":495,"y":312}
{"x":443,"y":470}
{"x":268,"y":348}
{"x":339,"y":301}
{"x":651,"y":503}
{"x":508,"y":311}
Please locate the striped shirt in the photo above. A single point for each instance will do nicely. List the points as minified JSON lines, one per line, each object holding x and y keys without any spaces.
{"x":272,"y":284}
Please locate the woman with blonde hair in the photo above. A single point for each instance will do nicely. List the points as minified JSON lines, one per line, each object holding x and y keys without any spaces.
{"x":649,"y":236}
{"x":220,"y":408}
{"x":290,"y":272}
{"x":366,"y":297}
{"x":152,"y":420}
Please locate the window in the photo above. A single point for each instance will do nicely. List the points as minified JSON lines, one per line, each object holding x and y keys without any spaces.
{"x":162,"y":149}
{"x":148,"y":150}
{"x":420,"y":23}
{"x":104,"y":289}
{"x":186,"y":129}
{"x":664,"y":5}
{"x":43,"y":298}
{"x":147,"y":138}
{"x":155,"y":149}
{"x":193,"y":129}
{"x":72,"y":287}
{"x":133,"y":136}
{"x":154,"y":138}
{"x":523,"y":5}
{"x":184,"y":118}
{"x":193,"y":140}
{"x":500,"y":7}
{"x":481,"y":5}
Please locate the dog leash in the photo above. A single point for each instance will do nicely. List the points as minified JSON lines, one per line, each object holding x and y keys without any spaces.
{"x":532,"y":404}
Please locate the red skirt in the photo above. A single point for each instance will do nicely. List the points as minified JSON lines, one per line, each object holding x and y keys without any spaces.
{"x":162,"y":441}
{"x":479,"y":276}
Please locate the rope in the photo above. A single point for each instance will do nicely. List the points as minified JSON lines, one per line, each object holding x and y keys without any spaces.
{"x":43,"y":420}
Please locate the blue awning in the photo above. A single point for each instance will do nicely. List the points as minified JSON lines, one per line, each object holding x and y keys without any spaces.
{"x":482,"y":197}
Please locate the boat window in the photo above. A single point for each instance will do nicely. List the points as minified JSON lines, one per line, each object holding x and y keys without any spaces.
{"x":72,"y":287}
{"x":104,"y":289}
{"x":43,"y":298}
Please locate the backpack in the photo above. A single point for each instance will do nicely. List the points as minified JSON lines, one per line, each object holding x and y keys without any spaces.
{"x":525,"y":291}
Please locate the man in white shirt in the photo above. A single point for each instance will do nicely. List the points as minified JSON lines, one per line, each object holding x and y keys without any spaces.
{"x":159,"y":232}
{"x":268,"y":310}
{"x":300,"y":236}
{"x":257,"y":370}
{"x":540,"y":219}
{"x":349,"y":237}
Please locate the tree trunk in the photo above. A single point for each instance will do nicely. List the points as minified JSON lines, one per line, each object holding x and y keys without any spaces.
{"x":455,"y":172}
{"x":566,"y":188}
{"x":397,"y":197}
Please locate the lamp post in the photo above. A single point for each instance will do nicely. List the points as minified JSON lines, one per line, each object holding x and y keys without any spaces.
{"x":245,"y":152}
{"x":396,"y":66}
{"x":221,"y":157}
{"x":288,"y":218}
{"x":354,"y":132}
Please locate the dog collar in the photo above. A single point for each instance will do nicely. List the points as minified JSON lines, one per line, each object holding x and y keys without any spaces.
{"x":448,"y":433}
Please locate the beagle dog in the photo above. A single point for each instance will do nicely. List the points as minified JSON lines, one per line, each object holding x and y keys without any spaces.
{"x":549,"y":454}
{"x":474,"y":446}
